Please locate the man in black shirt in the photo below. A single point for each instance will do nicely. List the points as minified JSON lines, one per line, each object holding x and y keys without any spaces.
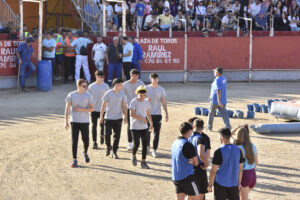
{"x":201,"y":143}
{"x":183,"y":159}
{"x":114,"y":59}
{"x":227,"y":170}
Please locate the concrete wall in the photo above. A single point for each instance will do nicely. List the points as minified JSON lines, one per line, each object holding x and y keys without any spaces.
{"x":12,"y":82}
{"x":207,"y":76}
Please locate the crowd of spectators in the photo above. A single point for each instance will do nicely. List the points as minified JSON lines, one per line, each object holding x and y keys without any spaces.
{"x":196,"y":15}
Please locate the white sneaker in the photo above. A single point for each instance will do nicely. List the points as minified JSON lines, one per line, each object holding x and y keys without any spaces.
{"x":154,"y":154}
{"x":130,"y":147}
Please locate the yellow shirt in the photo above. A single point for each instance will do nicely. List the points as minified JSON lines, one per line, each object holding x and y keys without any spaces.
{"x":165,"y":19}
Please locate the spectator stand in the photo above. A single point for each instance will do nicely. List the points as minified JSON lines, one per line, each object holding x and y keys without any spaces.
{"x":90,"y":14}
{"x":123,"y":15}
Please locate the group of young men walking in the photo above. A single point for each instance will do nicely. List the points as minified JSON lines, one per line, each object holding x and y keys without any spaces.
{"x":130,"y":102}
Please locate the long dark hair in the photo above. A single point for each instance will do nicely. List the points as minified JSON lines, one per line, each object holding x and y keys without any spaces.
{"x":243,"y":138}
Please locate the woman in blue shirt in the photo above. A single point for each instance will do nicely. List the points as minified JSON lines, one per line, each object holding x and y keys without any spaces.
{"x":251,"y":160}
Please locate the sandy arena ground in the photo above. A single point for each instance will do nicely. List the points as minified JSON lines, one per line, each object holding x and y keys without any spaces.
{"x":35,"y":149}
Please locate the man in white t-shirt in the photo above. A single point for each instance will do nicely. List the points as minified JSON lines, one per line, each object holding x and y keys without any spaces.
{"x":98,"y":54}
{"x":229,"y":22}
{"x":109,"y":12}
{"x":236,"y":7}
{"x":118,"y":12}
{"x":254,"y":8}
{"x":150,"y":20}
{"x":200,"y":10}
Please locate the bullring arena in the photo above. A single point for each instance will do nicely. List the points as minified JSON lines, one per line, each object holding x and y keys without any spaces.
{"x":182,"y":42}
{"x":35,"y":149}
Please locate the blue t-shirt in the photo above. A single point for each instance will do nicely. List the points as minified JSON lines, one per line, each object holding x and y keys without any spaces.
{"x":261,"y":21}
{"x":246,"y":165}
{"x":49,"y":43}
{"x":79,"y":42}
{"x":137,"y":53}
{"x":220,"y":83}
{"x":25,"y":52}
{"x":140,"y":7}
{"x":228,"y":157}
{"x":128,"y":47}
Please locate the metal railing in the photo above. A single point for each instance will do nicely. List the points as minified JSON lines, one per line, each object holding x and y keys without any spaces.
{"x":7,"y":16}
{"x":90,"y":14}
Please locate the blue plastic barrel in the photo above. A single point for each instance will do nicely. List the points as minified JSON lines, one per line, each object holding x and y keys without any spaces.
{"x":250,"y":107}
{"x":44,"y":75}
{"x":197,"y":111}
{"x":270,"y":102}
{"x":239,"y":114}
{"x":204,"y":111}
{"x":250,"y":114}
{"x":230,"y":113}
{"x":264,"y":108}
{"x":257,"y":107}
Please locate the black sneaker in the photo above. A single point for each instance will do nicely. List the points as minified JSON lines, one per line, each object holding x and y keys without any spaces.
{"x":101,"y":140}
{"x":95,"y":146}
{"x":134,"y":161}
{"x":144,"y":165}
{"x":115,"y":156}
{"x":108,"y":151}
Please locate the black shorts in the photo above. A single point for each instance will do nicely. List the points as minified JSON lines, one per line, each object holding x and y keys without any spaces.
{"x":59,"y":58}
{"x":188,"y":186}
{"x":201,"y":178}
{"x":224,"y":193}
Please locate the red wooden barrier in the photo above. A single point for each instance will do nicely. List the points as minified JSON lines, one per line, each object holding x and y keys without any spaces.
{"x":276,"y":52}
{"x":227,"y":52}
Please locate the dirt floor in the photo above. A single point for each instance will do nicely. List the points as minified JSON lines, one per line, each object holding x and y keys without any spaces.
{"x":35,"y":149}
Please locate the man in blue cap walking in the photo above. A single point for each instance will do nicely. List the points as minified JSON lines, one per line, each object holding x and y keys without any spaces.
{"x":218,"y":99}
{"x":24,"y":53}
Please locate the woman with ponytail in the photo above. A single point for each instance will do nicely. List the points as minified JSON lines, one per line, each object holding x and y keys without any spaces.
{"x":250,"y":154}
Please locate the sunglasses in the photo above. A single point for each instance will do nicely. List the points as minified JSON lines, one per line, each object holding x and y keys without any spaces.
{"x":84,"y":86}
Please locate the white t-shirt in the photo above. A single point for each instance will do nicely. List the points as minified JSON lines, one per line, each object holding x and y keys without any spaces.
{"x":100,"y":50}
{"x":148,"y":19}
{"x":235,"y":8}
{"x":254,"y":9}
{"x":167,"y":4}
{"x":119,"y":8}
{"x":109,"y":10}
{"x":200,"y":10}
{"x":226,"y":20}
{"x":293,"y":24}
